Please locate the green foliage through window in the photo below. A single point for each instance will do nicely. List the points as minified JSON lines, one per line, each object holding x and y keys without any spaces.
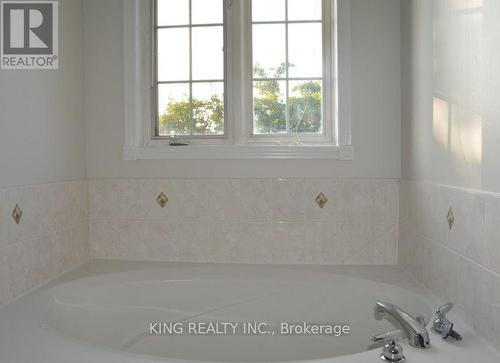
{"x":304,"y":103}
{"x":270,"y":108}
{"x":208,"y":117}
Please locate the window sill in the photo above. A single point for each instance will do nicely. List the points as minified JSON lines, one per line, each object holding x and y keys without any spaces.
{"x":235,"y":152}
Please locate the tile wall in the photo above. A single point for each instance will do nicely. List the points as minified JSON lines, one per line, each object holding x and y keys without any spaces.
{"x":204,"y":220}
{"x":51,"y":238}
{"x":245,"y":220}
{"x":462,"y":264}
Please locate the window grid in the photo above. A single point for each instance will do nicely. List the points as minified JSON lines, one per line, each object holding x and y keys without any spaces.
{"x":287,"y":78}
{"x":157,"y":82}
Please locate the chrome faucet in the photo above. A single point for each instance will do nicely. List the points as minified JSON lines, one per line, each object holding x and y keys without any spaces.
{"x":414,"y":328}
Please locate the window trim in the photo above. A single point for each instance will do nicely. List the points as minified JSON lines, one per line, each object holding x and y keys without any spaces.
{"x":238,"y":144}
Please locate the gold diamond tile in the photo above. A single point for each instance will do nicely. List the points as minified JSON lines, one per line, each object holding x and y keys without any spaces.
{"x":162,"y":200}
{"x":17,"y":214}
{"x":451,"y":218}
{"x":321,"y":200}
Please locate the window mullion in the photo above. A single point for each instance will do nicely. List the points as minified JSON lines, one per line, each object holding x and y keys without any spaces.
{"x":287,"y":117}
{"x":190,"y":68}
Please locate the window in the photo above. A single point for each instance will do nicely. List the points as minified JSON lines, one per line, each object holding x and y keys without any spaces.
{"x":237,"y":79}
{"x":189,"y":68}
{"x":288,"y":72}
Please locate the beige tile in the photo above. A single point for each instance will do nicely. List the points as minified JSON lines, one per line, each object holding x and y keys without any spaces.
{"x":255,"y":199}
{"x":361,"y":243}
{"x":224,"y":239}
{"x":19,"y":263}
{"x":489,"y":313}
{"x":137,"y":199}
{"x":4,"y":278}
{"x":104,"y":239}
{"x":432,"y":205}
{"x":246,"y":241}
{"x":356,"y":201}
{"x":3,"y":220}
{"x":405,"y":206}
{"x":410,"y":249}
{"x":469,"y":284}
{"x":43,"y":268}
{"x":193,"y":241}
{"x":492,"y":232}
{"x":331,"y":239}
{"x":51,"y":239}
{"x":133,"y":239}
{"x":232,"y":208}
{"x":79,"y":246}
{"x":468,"y":232}
{"x":289,"y":200}
{"x":104,"y":202}
{"x":267,"y":249}
{"x":161,"y":244}
{"x":291,"y":238}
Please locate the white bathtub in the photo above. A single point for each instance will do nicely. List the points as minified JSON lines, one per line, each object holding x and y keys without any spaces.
{"x":116,"y":311}
{"x":106,"y":317}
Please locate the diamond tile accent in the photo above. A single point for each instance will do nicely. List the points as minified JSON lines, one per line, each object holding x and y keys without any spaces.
{"x":321,"y":200}
{"x":17,"y":214}
{"x":451,"y":219}
{"x":162,"y":200}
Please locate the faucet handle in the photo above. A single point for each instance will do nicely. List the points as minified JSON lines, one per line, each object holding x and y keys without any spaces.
{"x":442,"y":326}
{"x":444,"y":309}
{"x":391,"y":335}
{"x":392,"y":351}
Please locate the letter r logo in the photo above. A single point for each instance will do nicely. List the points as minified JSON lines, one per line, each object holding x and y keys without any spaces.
{"x":27,"y":27}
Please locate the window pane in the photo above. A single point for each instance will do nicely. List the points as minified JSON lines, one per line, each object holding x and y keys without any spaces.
{"x":173,"y":54}
{"x":269,"y":50}
{"x":173,"y":12}
{"x":173,"y":109}
{"x":305,"y":50}
{"x":268,"y":10}
{"x":304,"y":10}
{"x":208,"y":108}
{"x":305,"y":109}
{"x":208,"y":53}
{"x":207,"y":11}
{"x":269,"y":107}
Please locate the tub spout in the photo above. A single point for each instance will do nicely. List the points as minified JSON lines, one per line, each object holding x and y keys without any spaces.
{"x":414,"y":330}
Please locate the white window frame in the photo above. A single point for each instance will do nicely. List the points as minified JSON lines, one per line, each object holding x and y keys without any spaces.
{"x":195,"y":139}
{"x":327,"y":84}
{"x":239,"y":141}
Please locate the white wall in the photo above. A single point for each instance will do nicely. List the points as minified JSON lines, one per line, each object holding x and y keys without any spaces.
{"x":42,"y":141}
{"x":376,"y":103}
{"x":451,"y":85}
{"x":450,"y":149}
{"x":41,"y":123}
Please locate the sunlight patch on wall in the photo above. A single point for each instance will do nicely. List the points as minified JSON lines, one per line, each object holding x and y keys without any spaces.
{"x":467,"y":139}
{"x":462,"y":136}
{"x":441,"y":122}
{"x":465,"y":5}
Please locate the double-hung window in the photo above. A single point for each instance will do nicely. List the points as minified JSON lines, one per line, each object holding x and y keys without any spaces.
{"x":236,"y":73}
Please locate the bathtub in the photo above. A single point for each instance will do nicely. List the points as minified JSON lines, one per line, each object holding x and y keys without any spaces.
{"x":106,"y":314}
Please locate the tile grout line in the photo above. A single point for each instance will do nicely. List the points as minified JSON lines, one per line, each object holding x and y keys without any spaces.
{"x":467,"y":259}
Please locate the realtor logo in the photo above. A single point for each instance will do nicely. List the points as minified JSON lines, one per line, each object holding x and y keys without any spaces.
{"x":29,"y":34}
